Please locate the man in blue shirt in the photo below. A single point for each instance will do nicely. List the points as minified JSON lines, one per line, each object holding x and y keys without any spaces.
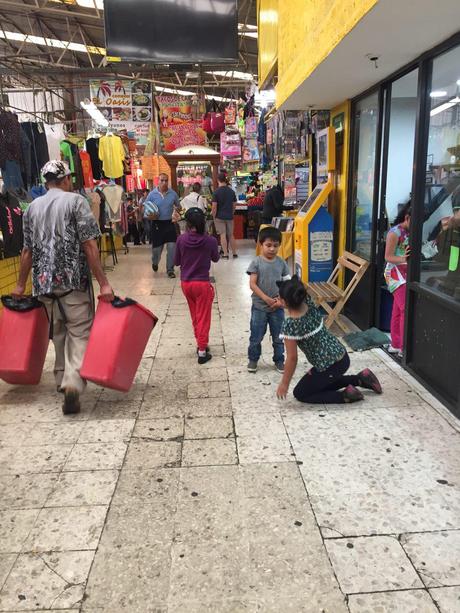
{"x":163,"y":230}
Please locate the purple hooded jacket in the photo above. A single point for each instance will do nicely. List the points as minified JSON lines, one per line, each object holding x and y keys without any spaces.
{"x":194,"y":253}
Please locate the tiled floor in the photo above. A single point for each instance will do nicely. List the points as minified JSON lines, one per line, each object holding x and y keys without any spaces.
{"x":200,"y":492}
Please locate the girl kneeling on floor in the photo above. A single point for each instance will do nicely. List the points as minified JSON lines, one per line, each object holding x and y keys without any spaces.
{"x":326,"y":382}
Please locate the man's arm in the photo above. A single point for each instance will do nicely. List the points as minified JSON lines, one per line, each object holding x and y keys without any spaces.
{"x":24,"y":271}
{"x":214,"y":209}
{"x":92,"y":255}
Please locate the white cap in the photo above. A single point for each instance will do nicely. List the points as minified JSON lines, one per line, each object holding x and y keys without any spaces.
{"x":58,"y":169}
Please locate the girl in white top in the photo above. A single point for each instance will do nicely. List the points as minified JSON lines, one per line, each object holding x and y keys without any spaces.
{"x":194,"y":199}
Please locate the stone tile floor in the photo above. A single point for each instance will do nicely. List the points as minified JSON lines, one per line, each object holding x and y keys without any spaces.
{"x":200,"y":492}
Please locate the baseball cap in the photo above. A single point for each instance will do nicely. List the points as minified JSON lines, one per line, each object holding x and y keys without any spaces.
{"x":55,"y":169}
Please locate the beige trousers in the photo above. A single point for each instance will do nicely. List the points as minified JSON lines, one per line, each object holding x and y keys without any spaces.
{"x":70,"y":336}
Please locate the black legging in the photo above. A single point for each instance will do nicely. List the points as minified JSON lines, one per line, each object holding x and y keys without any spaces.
{"x":320,"y":387}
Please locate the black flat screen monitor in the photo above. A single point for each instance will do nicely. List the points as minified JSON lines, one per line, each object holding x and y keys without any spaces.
{"x":172,"y":31}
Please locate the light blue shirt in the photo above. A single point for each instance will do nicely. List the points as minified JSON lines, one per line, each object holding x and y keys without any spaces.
{"x":165,"y":202}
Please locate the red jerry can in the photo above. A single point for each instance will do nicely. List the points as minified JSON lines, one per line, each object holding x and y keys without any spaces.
{"x":24,"y":338}
{"x":118,"y":338}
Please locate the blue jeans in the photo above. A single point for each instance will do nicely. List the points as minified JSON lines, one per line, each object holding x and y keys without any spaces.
{"x":170,"y":251}
{"x":259,"y":321}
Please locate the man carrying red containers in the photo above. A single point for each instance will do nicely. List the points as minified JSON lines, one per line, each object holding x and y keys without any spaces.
{"x":60,"y":248}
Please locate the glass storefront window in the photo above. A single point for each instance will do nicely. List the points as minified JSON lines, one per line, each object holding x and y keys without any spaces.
{"x":366,"y":124}
{"x":440,"y":261}
{"x":403,"y":118}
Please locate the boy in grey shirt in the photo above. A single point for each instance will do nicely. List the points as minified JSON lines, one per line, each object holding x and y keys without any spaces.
{"x":264,"y":271}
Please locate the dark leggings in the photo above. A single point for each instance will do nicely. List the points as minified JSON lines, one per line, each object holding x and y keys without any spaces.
{"x":320,"y":387}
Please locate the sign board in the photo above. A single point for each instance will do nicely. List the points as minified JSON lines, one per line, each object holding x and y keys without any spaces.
{"x":127,"y":105}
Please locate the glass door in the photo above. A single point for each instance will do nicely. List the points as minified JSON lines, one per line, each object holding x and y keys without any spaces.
{"x":365,"y":164}
{"x":401,"y":105}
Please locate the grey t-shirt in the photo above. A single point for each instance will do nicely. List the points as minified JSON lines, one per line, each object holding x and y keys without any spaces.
{"x":268,"y":273}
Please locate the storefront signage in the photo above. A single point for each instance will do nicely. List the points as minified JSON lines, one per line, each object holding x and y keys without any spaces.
{"x":127,"y":105}
{"x":177,"y":126}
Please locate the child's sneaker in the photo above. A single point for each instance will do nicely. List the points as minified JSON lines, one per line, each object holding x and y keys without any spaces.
{"x":252,"y":366}
{"x":392,"y":349}
{"x":279,"y":367}
{"x":351,"y":394}
{"x":369,"y":381}
{"x":202,"y":359}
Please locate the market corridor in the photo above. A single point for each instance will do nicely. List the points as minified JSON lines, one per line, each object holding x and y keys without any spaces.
{"x":199,"y":491}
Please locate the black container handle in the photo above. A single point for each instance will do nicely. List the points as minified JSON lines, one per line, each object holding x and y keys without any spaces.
{"x":119,"y":303}
{"x":21,"y":305}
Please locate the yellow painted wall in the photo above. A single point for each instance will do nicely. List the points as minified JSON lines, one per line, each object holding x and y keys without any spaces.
{"x":308,"y":30}
{"x":267,"y":17}
{"x":9,"y":272}
{"x":339,"y":200}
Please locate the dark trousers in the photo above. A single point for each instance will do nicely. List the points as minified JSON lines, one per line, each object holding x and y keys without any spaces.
{"x":321,"y":387}
{"x":259,"y":322}
{"x":133,"y":233}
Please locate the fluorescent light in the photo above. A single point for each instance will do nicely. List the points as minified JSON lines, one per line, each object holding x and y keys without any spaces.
{"x":232,"y":74}
{"x":265,"y":97}
{"x":439,"y":93}
{"x":94,"y":113}
{"x":458,"y":82}
{"x":182,"y":92}
{"x":51,"y":42}
{"x":444,"y":107}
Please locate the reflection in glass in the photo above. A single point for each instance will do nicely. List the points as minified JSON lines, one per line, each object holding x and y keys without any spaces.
{"x":441,"y":229}
{"x":403,"y":117}
{"x":366,"y":123}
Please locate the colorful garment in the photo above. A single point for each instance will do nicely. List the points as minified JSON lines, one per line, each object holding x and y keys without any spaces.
{"x":321,"y":348}
{"x":55,"y":226}
{"x":396,"y":274}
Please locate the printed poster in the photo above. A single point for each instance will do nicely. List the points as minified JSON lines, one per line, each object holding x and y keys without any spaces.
{"x":178,"y":128}
{"x":127,"y":105}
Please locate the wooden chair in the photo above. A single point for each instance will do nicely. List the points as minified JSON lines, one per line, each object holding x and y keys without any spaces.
{"x":330,"y":296}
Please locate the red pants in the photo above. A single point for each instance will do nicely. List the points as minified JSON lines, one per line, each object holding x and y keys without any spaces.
{"x":200,"y":295}
{"x":398,"y":316}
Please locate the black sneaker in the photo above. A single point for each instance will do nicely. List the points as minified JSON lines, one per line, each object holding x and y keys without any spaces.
{"x":171,"y":274}
{"x":155,"y":267}
{"x":71,"y":402}
{"x":202,"y":359}
{"x":224,"y":257}
{"x":235,"y":255}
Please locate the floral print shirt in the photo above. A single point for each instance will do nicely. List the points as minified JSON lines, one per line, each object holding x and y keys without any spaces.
{"x":320,"y":346}
{"x":55,"y":226}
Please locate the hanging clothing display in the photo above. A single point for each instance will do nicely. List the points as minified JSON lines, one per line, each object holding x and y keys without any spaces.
{"x":70,"y":154}
{"x":26,"y":158}
{"x":11,"y":225}
{"x":94,"y":200}
{"x":10,"y":150}
{"x":11,"y":174}
{"x":54,"y":135}
{"x":113,"y":195}
{"x":87,"y":171}
{"x":10,"y":140}
{"x":39,"y":153}
{"x":92,"y":147}
{"x":112,"y":154}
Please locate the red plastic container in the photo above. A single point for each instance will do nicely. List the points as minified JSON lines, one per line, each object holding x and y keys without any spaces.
{"x":118,"y":338}
{"x":24,"y":338}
